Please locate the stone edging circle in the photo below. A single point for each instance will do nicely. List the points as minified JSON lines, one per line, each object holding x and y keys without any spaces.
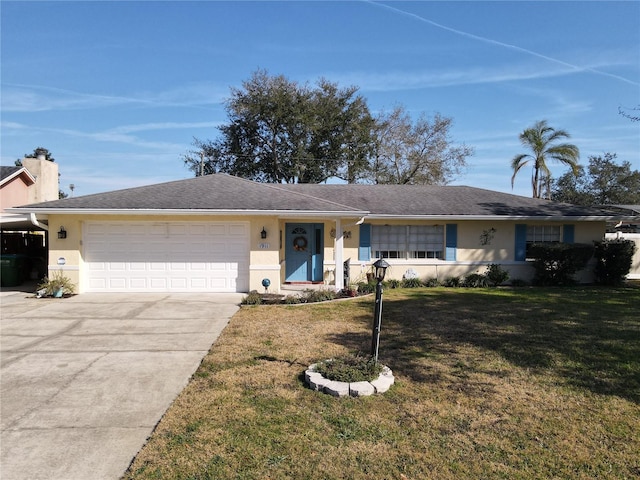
{"x":317,"y":382}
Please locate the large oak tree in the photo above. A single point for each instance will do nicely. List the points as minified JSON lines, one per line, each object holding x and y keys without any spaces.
{"x":280,"y":131}
{"x":419,"y":152}
{"x":605,"y":182}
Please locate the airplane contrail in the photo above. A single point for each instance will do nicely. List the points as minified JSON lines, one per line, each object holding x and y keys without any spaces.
{"x":500,"y":44}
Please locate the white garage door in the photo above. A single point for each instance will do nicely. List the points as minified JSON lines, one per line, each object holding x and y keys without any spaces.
{"x":166,"y":257}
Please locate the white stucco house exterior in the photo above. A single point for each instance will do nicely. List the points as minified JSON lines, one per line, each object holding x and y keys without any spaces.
{"x":220,"y":233}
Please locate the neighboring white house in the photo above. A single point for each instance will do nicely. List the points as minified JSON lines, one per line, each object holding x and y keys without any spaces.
{"x":631,"y":232}
{"x":220,"y":233}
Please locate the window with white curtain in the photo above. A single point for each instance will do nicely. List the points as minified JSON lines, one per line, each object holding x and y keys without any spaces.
{"x":543,"y":233}
{"x":407,"y":241}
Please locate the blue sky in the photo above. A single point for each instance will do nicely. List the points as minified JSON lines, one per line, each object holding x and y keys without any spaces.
{"x":118,"y":90}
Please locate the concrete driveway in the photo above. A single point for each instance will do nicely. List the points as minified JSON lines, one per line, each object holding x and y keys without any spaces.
{"x":84,"y":380}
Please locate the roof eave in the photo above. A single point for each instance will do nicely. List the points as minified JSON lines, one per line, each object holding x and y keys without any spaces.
{"x":188,"y":212}
{"x":18,"y":173}
{"x":580,"y":218}
{"x":315,"y":214}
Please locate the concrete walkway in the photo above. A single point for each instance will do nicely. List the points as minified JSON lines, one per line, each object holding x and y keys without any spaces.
{"x":84,"y":380}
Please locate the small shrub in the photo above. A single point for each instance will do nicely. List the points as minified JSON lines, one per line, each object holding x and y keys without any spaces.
{"x":393,"y":283}
{"x":411,"y":283}
{"x":349,"y":292}
{"x":312,"y":296}
{"x":475,"y":280}
{"x":366,"y":288}
{"x":496,"y":275}
{"x":54,"y":283}
{"x":557,"y":263}
{"x":253,"y":298}
{"x":292,"y":299}
{"x":452,"y":282}
{"x":432,"y":282}
{"x":350,"y":368}
{"x":614,"y":260}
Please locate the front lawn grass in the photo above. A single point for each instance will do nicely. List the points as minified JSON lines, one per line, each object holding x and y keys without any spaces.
{"x":490,"y":383}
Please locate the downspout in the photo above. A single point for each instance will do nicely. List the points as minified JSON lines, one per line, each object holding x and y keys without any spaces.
{"x":36,"y":223}
{"x":339,"y":257}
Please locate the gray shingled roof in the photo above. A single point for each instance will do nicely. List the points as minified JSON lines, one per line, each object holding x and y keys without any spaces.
{"x":227,"y":193}
{"x":7,"y":171}
{"x":212,"y":192}
{"x":440,"y":200}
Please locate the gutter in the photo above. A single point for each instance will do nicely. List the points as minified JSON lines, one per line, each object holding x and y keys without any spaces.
{"x":361,"y":215}
{"x":542,"y":218}
{"x":35,"y":222}
{"x":189,"y":212}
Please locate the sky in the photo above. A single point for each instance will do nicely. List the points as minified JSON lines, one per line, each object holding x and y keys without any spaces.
{"x":118,"y":90}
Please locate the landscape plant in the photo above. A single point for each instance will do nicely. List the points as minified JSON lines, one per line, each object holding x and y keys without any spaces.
{"x":364,"y":288}
{"x":349,"y":368}
{"x":557,"y":263}
{"x":432,"y":282}
{"x":496,"y":275}
{"x":392,"y":283}
{"x":56,"y":284}
{"x":475,"y":280}
{"x":452,"y":282}
{"x":411,"y":283}
{"x":613,"y":261}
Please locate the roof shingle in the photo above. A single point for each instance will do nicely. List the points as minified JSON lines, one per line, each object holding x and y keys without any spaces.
{"x":223,"y":192}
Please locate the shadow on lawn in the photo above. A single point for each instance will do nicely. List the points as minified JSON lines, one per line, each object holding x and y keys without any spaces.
{"x":590,"y":337}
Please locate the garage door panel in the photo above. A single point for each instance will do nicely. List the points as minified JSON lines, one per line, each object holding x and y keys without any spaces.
{"x":180,"y":256}
{"x":116,"y":282}
{"x":158,"y":283}
{"x":138,"y":283}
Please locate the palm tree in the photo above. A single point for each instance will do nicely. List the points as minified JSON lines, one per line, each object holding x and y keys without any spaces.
{"x":541,"y":139}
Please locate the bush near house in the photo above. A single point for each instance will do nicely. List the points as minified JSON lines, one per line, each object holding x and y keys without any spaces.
{"x":475,"y":280}
{"x":496,"y":275}
{"x":557,"y":263}
{"x":614,"y":259}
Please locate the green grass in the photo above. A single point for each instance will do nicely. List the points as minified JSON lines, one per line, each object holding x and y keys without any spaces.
{"x":490,"y":383}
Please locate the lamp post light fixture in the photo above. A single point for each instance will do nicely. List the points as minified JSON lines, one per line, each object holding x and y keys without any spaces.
{"x":380,"y":267}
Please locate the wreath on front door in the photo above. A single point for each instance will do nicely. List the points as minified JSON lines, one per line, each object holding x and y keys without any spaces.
{"x":300,"y":244}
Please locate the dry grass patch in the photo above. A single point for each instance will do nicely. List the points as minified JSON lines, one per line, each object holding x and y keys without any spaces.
{"x":517,"y":384}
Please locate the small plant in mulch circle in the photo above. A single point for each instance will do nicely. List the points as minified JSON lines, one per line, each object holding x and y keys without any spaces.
{"x":350,"y":368}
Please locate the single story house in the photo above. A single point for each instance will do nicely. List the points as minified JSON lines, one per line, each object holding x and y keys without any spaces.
{"x":220,"y":233}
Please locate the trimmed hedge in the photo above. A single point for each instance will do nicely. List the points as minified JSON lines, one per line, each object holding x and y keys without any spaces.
{"x":557,"y":263}
{"x":614,"y":259}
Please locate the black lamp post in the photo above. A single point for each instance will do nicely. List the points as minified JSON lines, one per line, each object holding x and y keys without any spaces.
{"x":380,"y":271}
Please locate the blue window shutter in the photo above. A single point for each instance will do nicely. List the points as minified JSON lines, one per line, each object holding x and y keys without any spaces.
{"x":521,"y":242}
{"x":451,"y":242}
{"x":364,"y":249}
{"x":568,"y":233}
